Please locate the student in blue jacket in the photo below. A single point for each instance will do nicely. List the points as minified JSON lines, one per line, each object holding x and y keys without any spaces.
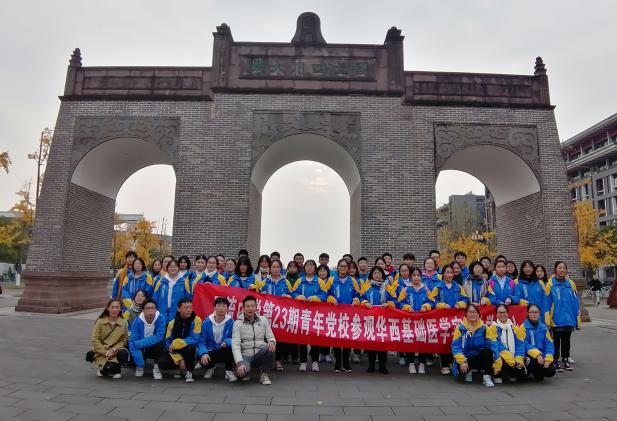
{"x":342,"y":289}
{"x":363,"y":269}
{"x":416,"y":297}
{"x":474,"y":346}
{"x":230,"y":269}
{"x":538,"y":344}
{"x":563,"y":312}
{"x":511,"y":348}
{"x":275,"y":284}
{"x":215,"y":340}
{"x":209,"y":275}
{"x":181,"y":339}
{"x":461,"y":259}
{"x":170,"y":290}
{"x":146,"y":340}
{"x":137,"y":279}
{"x":116,"y":290}
{"x":163,"y":270}
{"x":308,"y":288}
{"x":375,"y":293}
{"x":185,"y":266}
{"x":430,"y":276}
{"x":501,"y":288}
{"x":530,"y":289}
{"x":243,"y":276}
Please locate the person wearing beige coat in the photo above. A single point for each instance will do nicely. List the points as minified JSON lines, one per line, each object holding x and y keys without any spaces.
{"x":109,"y":341}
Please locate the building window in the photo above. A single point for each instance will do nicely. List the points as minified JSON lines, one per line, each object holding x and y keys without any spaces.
{"x":574,"y":194}
{"x":613,"y":205}
{"x":601,"y":204}
{"x":585,"y":192}
{"x":600,"y":186}
{"x":602,"y":223}
{"x":586,"y":173}
{"x":574,"y":156}
{"x":602,"y":166}
{"x":612,"y":161}
{"x":587,"y":150}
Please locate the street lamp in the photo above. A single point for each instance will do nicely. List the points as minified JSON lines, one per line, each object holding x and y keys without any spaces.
{"x":476,"y":236}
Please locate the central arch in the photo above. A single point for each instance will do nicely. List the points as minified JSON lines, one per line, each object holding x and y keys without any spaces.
{"x":301,"y":147}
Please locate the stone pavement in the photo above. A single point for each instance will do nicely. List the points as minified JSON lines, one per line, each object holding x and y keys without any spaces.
{"x":43,"y":376}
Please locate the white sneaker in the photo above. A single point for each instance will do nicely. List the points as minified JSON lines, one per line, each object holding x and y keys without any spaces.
{"x":445,"y":370}
{"x":156,"y":372}
{"x":302,"y":367}
{"x":117,"y":376}
{"x":429,"y":361}
{"x":402,"y":361}
{"x":209,"y":373}
{"x":246,"y":378}
{"x":469,"y":377}
{"x":315,"y":366}
{"x":421,"y":369}
{"x":188,"y":377}
{"x":571,"y":360}
{"x":139,"y":371}
{"x":264,"y":379}
{"x":412,"y":368}
{"x":98,"y":373}
{"x":229,"y":375}
{"x":178,"y":374}
{"x":486,"y":380}
{"x":329,"y":359}
{"x":356,"y":358}
{"x":497,"y":380}
{"x":198,"y":366}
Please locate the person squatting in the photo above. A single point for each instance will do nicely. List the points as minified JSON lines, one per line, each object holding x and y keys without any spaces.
{"x":150,"y":315}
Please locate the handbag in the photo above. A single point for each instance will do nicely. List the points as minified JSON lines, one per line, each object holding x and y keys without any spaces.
{"x":91,"y":354}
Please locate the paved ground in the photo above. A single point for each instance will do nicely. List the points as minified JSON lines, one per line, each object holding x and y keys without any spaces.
{"x":43,"y":376}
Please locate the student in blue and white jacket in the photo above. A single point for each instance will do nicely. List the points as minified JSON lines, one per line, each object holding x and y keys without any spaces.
{"x":215,"y":341}
{"x":170,"y":290}
{"x":416,"y":297}
{"x":538,"y":344}
{"x":342,"y":289}
{"x":146,"y":339}
{"x":563,"y":314}
{"x":501,"y":288}
{"x":137,"y":279}
{"x":208,"y":276}
{"x":529,"y":288}
{"x":243,"y":276}
{"x":511,"y":347}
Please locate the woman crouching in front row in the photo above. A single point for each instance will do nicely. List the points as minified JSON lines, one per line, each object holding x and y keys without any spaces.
{"x":474,"y":346}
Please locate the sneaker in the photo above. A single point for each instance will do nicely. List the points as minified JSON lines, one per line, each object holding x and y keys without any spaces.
{"x":188,"y":377}
{"x":264,"y":379}
{"x":198,"y":366}
{"x":209,"y":373}
{"x":497,"y":380}
{"x":412,"y":368}
{"x":139,"y":371}
{"x":421,"y":369}
{"x":486,"y":380}
{"x":156,"y":372}
{"x":567,"y":366}
{"x":402,"y":361}
{"x":445,"y":370}
{"x":338,"y":370}
{"x":278,"y":366}
{"x":329,"y":359}
{"x":469,"y":377}
{"x":315,"y":366}
{"x":559,"y":367}
{"x":356,"y":358}
{"x":346,"y":369}
{"x":571,"y":360}
{"x":98,"y":373}
{"x":302,"y":367}
{"x":230,"y":376}
{"x":246,"y":378}
{"x":117,"y":376}
{"x":178,"y":374}
{"x":384,"y":370}
{"x":429,"y":361}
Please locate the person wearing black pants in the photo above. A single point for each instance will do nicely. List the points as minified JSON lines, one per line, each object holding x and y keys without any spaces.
{"x":222,"y":355}
{"x":181,"y":340}
{"x":383,"y":358}
{"x":561,"y":339}
{"x":539,"y":371}
{"x":341,"y":356}
{"x":314,"y":353}
{"x":187,"y":354}
{"x":111,"y":368}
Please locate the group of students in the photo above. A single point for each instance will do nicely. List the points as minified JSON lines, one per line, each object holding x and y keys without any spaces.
{"x":156,"y":308}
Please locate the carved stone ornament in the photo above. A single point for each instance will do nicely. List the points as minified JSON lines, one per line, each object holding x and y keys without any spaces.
{"x":92,"y":131}
{"x":308,"y":30}
{"x":521,"y":140}
{"x":270,"y":126}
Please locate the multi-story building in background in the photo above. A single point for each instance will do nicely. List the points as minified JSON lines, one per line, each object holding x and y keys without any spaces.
{"x":591,"y":162}
{"x":464,"y":214}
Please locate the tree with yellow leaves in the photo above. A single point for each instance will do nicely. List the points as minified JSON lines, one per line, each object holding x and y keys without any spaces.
{"x":474,"y":246}
{"x":140,"y":238}
{"x":16,"y":232}
{"x":596,"y":247}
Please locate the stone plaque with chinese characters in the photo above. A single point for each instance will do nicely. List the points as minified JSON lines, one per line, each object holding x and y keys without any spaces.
{"x":319,"y":68}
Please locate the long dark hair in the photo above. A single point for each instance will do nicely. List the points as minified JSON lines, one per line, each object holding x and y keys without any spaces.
{"x":244,"y":260}
{"x":263,"y":258}
{"x":154,"y":273}
{"x":545,"y":278}
{"x":533,"y":269}
{"x":105,"y":312}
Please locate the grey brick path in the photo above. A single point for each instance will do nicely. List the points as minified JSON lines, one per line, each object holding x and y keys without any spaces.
{"x":43,"y":377}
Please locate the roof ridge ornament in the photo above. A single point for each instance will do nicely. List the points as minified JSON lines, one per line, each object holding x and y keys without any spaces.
{"x":75,"y":60}
{"x":539,"y":69}
{"x":308,"y":30}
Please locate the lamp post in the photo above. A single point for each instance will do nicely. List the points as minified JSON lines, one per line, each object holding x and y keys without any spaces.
{"x":477,"y":237}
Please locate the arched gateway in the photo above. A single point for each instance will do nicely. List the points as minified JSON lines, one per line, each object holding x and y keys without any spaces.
{"x":227,"y":128}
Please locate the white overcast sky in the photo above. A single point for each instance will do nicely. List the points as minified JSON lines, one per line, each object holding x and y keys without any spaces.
{"x":577,"y":40}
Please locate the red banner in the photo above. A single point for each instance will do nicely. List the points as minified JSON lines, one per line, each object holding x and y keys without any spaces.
{"x":348,"y":326}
